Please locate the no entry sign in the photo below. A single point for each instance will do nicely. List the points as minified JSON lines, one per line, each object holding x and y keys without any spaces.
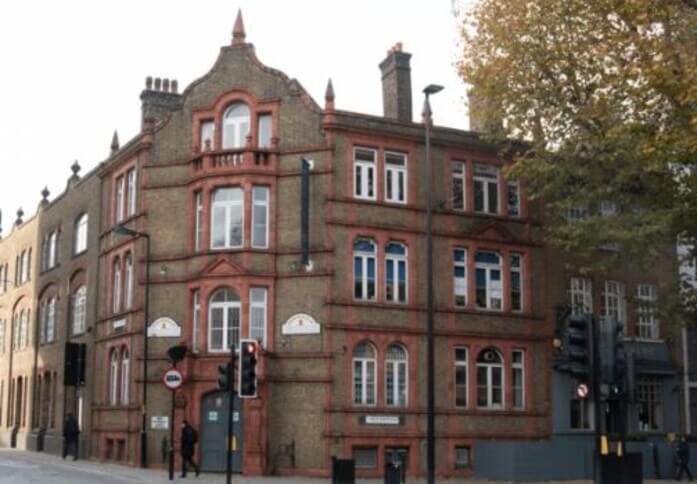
{"x":582,"y":390}
{"x":173,"y":379}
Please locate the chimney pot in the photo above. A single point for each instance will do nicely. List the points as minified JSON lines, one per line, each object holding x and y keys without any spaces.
{"x":148,"y":83}
{"x":165,"y":85}
{"x":175,"y":86}
{"x":158,"y":84}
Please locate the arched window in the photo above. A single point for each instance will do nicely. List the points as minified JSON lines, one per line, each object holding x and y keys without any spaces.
{"x":80,"y":235}
{"x":78,"y":303}
{"x":396,"y":371}
{"x":128,"y":281}
{"x":223,"y":320}
{"x":227,"y":218}
{"x":125,"y":375}
{"x":113,"y":377}
{"x":235,"y":126}
{"x":48,"y":321}
{"x":116,"y":294}
{"x":487,"y":266}
{"x":364,"y":270}
{"x":364,"y":374}
{"x":24,"y":329}
{"x":490,"y":379}
{"x":396,"y":272}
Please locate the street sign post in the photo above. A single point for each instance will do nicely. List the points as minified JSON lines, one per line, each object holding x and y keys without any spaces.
{"x":173,"y":380}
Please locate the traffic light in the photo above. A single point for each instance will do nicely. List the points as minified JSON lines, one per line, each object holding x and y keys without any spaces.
{"x":579,"y":345}
{"x":613,"y":359}
{"x":248,"y":368}
{"x":225,"y":377}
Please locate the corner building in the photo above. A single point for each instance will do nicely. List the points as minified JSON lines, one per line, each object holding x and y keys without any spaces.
{"x":214,"y":179}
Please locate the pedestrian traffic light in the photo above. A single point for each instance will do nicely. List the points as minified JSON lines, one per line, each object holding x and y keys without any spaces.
{"x":579,"y":345}
{"x":225,"y":377}
{"x":248,"y":368}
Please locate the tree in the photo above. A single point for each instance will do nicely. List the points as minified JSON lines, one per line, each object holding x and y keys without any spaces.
{"x":604,"y":93}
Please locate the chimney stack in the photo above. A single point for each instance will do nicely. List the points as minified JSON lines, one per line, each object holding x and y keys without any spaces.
{"x":159,"y":98}
{"x":483,"y":116}
{"x":396,"y":84}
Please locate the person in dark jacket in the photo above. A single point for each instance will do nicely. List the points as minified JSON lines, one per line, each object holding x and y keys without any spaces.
{"x":71,"y":434}
{"x":189,"y":438}
{"x":683,"y":452}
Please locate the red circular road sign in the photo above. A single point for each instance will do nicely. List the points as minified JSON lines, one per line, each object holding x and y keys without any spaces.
{"x":582,"y":390}
{"x":173,"y":379}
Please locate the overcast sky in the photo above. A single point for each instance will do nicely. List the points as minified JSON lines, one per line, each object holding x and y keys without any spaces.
{"x":73,"y":70}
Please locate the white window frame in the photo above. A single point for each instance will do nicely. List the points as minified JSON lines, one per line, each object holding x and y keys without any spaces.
{"x":459,"y":170}
{"x":236,"y":126}
{"x":120,"y":198}
{"x":365,"y":258}
{"x":228,"y":207}
{"x":261,"y":204}
{"x":116,"y":286}
{"x":487,"y":176}
{"x":195,"y":320}
{"x":581,"y":295}
{"x":368,"y":366}
{"x":364,"y":184}
{"x":78,"y":310}
{"x":207,"y":132}
{"x":460,"y":282}
{"x":490,"y":287}
{"x":50,"y":320}
{"x":132,"y":191}
{"x":81,"y":234}
{"x":650,"y":392}
{"x":125,"y":376}
{"x":615,"y":302}
{"x":226,"y":307}
{"x":395,"y":370}
{"x":518,"y":366}
{"x":258,"y":300}
{"x":519,"y":271}
{"x":52,"y":258}
{"x":113,"y":377}
{"x":647,"y":323}
{"x":462,"y":364}
{"x":128,"y":280}
{"x":198,"y":220}
{"x":395,"y":177}
{"x":489,"y":384}
{"x":264,"y":130}
{"x":397,"y":260}
{"x":24,"y":329}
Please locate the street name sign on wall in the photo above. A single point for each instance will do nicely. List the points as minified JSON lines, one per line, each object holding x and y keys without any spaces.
{"x":382,"y":420}
{"x":300,"y":323}
{"x":164,"y":328}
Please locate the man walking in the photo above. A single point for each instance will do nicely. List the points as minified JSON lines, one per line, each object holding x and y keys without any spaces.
{"x":683,"y":458}
{"x":71,"y":434}
{"x":189,"y":438}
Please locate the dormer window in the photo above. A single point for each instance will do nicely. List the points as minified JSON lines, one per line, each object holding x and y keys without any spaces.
{"x":235,"y":126}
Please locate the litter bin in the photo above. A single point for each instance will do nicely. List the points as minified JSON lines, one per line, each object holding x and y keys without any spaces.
{"x":343,"y":471}
{"x":393,"y":473}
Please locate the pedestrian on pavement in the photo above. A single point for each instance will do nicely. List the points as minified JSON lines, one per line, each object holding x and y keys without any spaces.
{"x":683,"y":452}
{"x":71,"y":434}
{"x":189,"y":438}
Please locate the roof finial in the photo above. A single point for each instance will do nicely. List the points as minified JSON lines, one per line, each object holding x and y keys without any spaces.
{"x":115,"y":142}
{"x":238,"y":34}
{"x":20,"y":214}
{"x":329,"y":96}
{"x":44,"y":197}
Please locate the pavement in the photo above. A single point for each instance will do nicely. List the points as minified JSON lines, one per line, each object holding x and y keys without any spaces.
{"x":22,"y":467}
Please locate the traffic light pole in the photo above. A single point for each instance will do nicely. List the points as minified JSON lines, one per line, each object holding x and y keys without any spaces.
{"x":595,"y":366}
{"x":230,"y":415}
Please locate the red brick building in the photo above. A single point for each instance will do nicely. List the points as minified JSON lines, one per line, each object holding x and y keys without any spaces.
{"x":214,"y":180}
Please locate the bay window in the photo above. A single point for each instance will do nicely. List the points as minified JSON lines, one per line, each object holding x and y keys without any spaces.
{"x":207,"y":135}
{"x":264,"y":132}
{"x":227,"y":218}
{"x":235,"y":126}
{"x":260,"y":217}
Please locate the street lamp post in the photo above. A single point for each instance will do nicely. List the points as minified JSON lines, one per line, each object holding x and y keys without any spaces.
{"x":123,"y":230}
{"x":431,"y":419}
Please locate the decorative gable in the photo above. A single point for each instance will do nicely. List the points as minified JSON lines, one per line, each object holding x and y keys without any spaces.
{"x":492,"y":231}
{"x":222,"y":267}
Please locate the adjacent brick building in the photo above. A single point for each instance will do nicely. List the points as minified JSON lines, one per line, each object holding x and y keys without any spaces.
{"x":209,"y":193}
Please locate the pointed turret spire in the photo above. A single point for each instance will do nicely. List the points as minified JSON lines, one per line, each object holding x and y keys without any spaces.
{"x":115,"y":142}
{"x":329,"y":96}
{"x":238,"y":33}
